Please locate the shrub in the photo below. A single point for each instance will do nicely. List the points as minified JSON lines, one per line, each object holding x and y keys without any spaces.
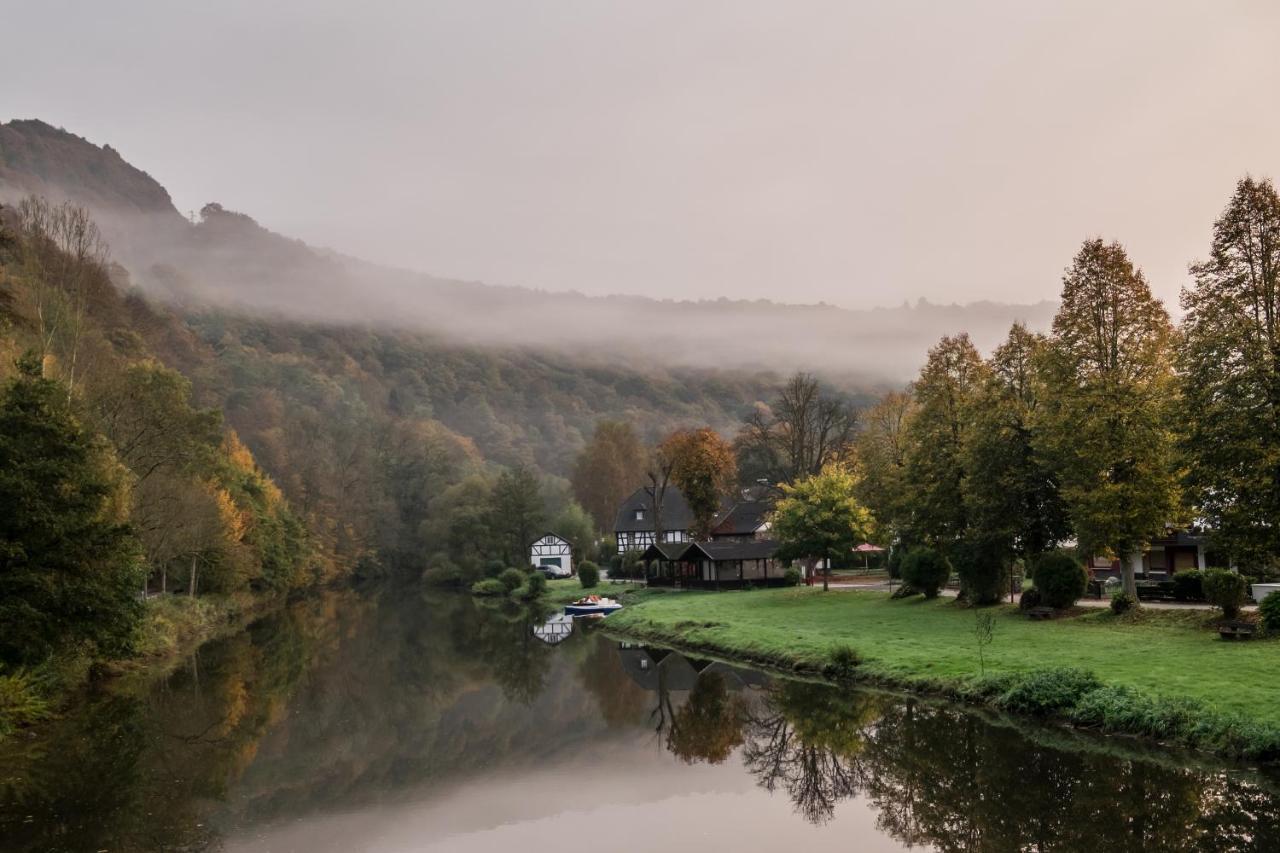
{"x":1188,"y":585}
{"x":844,"y":660}
{"x":791,"y":577}
{"x":22,"y":702}
{"x":1030,"y":598}
{"x":1049,"y":691}
{"x":1122,"y":602}
{"x":1060,"y":578}
{"x":1224,"y":589}
{"x":535,"y":585}
{"x":489,"y":586}
{"x":588,"y":574}
{"x":926,"y":570}
{"x":512,"y":579}
{"x":445,"y":573}
{"x":1269,"y":609}
{"x":981,"y":569}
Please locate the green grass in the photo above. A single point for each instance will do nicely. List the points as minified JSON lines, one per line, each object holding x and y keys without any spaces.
{"x":569,"y":589}
{"x":1168,"y":654}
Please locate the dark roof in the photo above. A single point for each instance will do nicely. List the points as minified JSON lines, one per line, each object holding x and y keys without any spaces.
{"x":676,"y":514}
{"x":743,"y":519}
{"x":715,"y":550}
{"x":665,"y":551}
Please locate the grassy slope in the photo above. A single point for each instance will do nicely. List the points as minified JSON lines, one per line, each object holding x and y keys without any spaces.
{"x":1168,"y":654}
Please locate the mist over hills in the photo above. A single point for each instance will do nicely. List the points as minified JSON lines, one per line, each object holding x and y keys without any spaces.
{"x":227,"y":260}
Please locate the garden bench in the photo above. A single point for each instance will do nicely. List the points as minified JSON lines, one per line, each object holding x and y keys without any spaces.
{"x":1236,"y":630}
{"x":1040,"y":613}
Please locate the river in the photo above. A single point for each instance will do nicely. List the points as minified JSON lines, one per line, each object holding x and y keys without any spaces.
{"x":410,"y":720}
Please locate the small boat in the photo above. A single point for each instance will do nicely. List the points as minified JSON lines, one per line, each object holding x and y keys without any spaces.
{"x":592,"y":605}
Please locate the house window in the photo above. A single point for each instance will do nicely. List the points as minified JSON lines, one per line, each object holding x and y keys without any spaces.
{"x":640,"y":515}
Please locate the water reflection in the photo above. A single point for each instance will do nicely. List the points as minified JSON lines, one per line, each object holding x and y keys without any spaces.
{"x":338,"y":721}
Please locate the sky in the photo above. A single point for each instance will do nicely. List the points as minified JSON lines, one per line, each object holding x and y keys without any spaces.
{"x":857,"y":153}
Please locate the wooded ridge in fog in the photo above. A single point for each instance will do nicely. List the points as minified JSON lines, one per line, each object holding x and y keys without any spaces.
{"x":227,"y":259}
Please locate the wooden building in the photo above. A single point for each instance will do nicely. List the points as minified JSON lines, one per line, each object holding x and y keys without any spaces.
{"x":717,"y":564}
{"x":1176,"y":551}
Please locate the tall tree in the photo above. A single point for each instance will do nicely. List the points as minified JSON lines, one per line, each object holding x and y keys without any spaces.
{"x":70,"y":568}
{"x":936,"y":434}
{"x":703,"y":467}
{"x":1107,"y":404}
{"x":516,"y":517}
{"x":881,"y":450}
{"x":820,"y":517}
{"x":608,"y":469}
{"x":1229,"y":362}
{"x":1011,"y":491}
{"x":798,"y":434}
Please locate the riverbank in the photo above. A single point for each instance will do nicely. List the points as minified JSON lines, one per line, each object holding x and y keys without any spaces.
{"x":173,"y":626}
{"x":1164,"y":675}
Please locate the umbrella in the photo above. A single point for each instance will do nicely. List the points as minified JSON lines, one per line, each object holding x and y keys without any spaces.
{"x":866,"y":549}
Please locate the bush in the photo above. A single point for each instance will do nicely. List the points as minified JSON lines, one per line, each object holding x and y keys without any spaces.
{"x":588,"y":574}
{"x":22,"y":701}
{"x":791,"y":577}
{"x":1224,"y":589}
{"x":1122,"y":602}
{"x":1269,"y":609}
{"x":1188,"y":585}
{"x":926,"y":570}
{"x":512,"y":579}
{"x":1030,"y":598}
{"x":981,"y":569}
{"x":489,"y":586}
{"x":534,"y":586}
{"x":445,"y":573}
{"x":1060,"y":578}
{"x":1049,"y":691}
{"x":844,"y":661}
{"x":493,"y":568}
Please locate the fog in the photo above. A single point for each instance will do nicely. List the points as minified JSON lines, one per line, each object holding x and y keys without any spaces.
{"x":860,"y":154}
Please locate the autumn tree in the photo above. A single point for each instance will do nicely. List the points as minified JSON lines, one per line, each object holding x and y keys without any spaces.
{"x":881,"y":451}
{"x":1011,"y":492}
{"x":1105,"y":416}
{"x":608,"y":469}
{"x":819,"y":517}
{"x":936,"y":434}
{"x":802,"y":431}
{"x":703,"y":467}
{"x":1229,"y":365}
{"x":70,"y":568}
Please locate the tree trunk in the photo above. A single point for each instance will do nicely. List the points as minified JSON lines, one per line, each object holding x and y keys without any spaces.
{"x":1129,"y":569}
{"x":191,"y":590}
{"x":164,"y":579}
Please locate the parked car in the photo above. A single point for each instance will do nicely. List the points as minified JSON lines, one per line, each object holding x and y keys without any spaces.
{"x":552,"y":571}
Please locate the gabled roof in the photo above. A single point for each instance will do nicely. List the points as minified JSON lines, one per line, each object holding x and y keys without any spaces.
{"x":743,"y":519}
{"x":676,"y":514}
{"x":715,"y":550}
{"x":553,"y":536}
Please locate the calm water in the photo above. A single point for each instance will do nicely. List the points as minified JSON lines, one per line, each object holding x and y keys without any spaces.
{"x":411,"y":722}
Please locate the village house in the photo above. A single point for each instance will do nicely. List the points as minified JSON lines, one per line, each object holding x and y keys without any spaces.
{"x":1176,"y":551}
{"x":553,"y":555}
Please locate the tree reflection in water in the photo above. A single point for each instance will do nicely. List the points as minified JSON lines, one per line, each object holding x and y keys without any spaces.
{"x":939,"y":775}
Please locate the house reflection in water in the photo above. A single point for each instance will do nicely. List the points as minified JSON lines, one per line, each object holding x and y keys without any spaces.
{"x":555,"y":630}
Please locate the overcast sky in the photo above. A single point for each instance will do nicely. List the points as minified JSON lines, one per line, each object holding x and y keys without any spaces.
{"x":857,"y":153}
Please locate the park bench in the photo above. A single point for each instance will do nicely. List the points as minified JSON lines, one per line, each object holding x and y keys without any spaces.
{"x":1236,"y":630}
{"x":1040,"y":613}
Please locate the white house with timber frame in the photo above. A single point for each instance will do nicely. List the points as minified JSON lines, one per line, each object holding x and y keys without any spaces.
{"x":553,"y":554}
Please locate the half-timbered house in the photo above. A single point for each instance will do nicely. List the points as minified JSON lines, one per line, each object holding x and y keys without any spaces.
{"x":552,"y":554}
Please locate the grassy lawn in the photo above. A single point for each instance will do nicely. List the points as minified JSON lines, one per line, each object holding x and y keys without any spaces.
{"x":1171,"y":654}
{"x":569,"y":590}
